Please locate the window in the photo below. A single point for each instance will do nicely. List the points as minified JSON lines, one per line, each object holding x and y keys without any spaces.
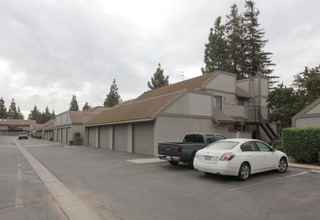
{"x":219,"y":102}
{"x":219,"y":137}
{"x":249,"y":146}
{"x":210,"y":139}
{"x":263,"y":147}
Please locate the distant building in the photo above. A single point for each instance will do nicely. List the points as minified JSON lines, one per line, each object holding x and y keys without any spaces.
{"x":24,"y":125}
{"x":309,"y":116}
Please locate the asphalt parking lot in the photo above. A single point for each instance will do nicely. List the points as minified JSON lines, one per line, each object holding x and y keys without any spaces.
{"x":120,"y":185}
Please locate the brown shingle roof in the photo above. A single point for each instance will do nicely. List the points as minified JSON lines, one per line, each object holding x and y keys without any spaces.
{"x":81,"y":117}
{"x":17,"y":122}
{"x":220,"y":116}
{"x":242,"y":93}
{"x":145,"y":109}
{"x":193,"y":83}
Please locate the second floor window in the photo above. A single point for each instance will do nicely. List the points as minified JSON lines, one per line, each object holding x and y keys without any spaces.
{"x":219,"y":102}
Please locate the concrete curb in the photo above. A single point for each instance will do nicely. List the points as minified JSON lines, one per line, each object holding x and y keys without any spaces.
{"x":70,"y":204}
{"x":304,"y":166}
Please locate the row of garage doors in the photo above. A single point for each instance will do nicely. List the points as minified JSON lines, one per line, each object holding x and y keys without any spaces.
{"x":63,"y":135}
{"x":142,"y":137}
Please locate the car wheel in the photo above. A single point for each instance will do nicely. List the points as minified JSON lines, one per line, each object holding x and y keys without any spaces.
{"x":174,"y":163}
{"x":244,"y":172}
{"x":283,"y":165}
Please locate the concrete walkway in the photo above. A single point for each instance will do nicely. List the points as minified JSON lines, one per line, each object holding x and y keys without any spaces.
{"x":70,"y":204}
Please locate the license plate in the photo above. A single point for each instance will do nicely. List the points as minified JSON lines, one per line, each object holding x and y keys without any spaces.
{"x":207,"y":158}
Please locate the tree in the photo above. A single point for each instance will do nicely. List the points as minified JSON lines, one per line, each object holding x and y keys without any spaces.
{"x":74,"y":104}
{"x":12,"y":112}
{"x":3,"y":109}
{"x":308,"y":84}
{"x":35,"y":115}
{"x":258,"y":61}
{"x":283,"y":103}
{"x":113,"y":98}
{"x":86,"y":106}
{"x":216,"y":54}
{"x":235,"y":38}
{"x":158,"y":80}
{"x":19,"y":114}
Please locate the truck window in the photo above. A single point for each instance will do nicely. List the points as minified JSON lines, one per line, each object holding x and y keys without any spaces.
{"x":220,"y":137}
{"x":193,"y":138}
{"x":210,"y":139}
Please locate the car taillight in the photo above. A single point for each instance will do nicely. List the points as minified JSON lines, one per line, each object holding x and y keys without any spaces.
{"x":227,"y":156}
{"x":180,"y":150}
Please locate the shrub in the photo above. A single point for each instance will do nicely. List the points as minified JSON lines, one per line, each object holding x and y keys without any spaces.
{"x":77,"y":134}
{"x":319,"y":157}
{"x":71,"y":142}
{"x":51,"y":139}
{"x":302,"y":143}
{"x":78,"y":140}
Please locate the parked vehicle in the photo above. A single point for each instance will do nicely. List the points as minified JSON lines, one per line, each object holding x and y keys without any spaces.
{"x":240,"y":157}
{"x":23,"y":134}
{"x":184,"y":151}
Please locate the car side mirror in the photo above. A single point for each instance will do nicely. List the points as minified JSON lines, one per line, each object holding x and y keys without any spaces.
{"x":274,"y":149}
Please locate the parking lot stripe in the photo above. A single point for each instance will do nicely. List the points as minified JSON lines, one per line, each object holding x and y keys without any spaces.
{"x":268,"y":181}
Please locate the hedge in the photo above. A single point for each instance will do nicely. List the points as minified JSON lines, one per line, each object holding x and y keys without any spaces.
{"x":303,"y":144}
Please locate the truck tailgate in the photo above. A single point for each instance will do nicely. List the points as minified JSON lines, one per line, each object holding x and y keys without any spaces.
{"x":170,"y":149}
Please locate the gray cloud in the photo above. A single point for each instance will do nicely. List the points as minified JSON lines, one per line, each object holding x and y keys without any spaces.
{"x":50,"y":50}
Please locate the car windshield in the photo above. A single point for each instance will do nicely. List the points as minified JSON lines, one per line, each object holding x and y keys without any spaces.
{"x":223,"y":145}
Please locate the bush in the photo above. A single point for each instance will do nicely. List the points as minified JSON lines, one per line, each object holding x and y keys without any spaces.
{"x":77,"y":134}
{"x":79,"y":140}
{"x":71,"y":142}
{"x":51,"y":139}
{"x":319,"y":157}
{"x":302,"y":143}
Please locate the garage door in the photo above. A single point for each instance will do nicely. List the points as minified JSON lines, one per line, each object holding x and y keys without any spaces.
{"x":120,"y":137}
{"x":69,"y":138}
{"x":143,"y":138}
{"x":59,"y":135}
{"x":92,"y":136}
{"x":104,"y":137}
{"x":63,"y":134}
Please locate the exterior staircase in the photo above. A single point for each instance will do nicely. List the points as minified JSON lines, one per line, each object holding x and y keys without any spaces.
{"x":270,"y":130}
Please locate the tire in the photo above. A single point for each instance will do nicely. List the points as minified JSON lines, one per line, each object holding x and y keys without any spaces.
{"x":244,"y":172}
{"x":174,"y":163}
{"x":191,"y":161}
{"x":283,"y":165}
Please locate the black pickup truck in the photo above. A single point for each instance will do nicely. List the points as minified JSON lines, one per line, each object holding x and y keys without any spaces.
{"x":176,"y":152}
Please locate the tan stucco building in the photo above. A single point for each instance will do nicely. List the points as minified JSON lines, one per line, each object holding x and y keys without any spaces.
{"x":210,"y":103}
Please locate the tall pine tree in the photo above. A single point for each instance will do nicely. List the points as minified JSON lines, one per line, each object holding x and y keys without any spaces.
{"x":3,"y":109}
{"x":235,"y":37}
{"x":74,"y":104}
{"x":113,"y":98}
{"x":12,"y":112}
{"x":86,"y":106}
{"x":258,"y":61}
{"x":158,"y":80}
{"x":216,"y":54}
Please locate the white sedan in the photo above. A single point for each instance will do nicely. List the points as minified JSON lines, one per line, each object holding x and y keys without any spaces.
{"x":239,"y":157}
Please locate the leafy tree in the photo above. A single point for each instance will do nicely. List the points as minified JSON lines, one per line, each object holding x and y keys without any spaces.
{"x":74,"y":104}
{"x":283,"y":103}
{"x":308,"y":84}
{"x":258,"y":61}
{"x":86,"y":106}
{"x":235,"y":38}
{"x":3,"y":109}
{"x":12,"y":112}
{"x":113,"y":98}
{"x":216,"y":54}
{"x":158,"y":80}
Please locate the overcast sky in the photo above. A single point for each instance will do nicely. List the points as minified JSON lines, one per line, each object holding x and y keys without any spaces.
{"x":52,"y":49}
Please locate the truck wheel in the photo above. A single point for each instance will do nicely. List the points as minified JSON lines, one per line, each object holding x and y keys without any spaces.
{"x":191,"y":161}
{"x":174,"y":163}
